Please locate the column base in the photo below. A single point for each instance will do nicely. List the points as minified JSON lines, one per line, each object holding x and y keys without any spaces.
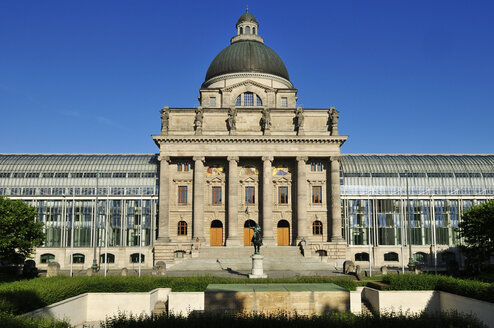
{"x":337,"y":239}
{"x":233,"y":241}
{"x":163,"y":240}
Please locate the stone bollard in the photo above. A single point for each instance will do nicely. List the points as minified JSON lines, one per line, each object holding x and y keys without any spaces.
{"x":89,"y":272}
{"x":53,"y":269}
{"x":124,"y":272}
{"x":159,"y":268}
{"x":384,"y":270}
{"x":358,"y":272}
{"x":160,"y":308}
{"x":348,"y":267}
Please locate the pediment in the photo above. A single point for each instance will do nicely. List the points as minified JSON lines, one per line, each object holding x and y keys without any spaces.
{"x":215,"y":180}
{"x":247,"y":83}
{"x":249,"y":180}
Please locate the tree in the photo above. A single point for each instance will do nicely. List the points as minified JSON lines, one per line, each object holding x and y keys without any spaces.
{"x":477,"y":229}
{"x":20,"y":233}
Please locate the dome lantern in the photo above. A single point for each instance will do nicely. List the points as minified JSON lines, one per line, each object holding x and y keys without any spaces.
{"x":247,"y":25}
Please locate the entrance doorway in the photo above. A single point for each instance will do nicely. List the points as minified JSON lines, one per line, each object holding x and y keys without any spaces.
{"x":248,"y":232}
{"x":283,"y":233}
{"x":216,"y":233}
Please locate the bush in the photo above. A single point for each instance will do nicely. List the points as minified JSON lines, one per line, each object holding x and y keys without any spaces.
{"x":23,"y":296}
{"x":283,"y":321}
{"x":469,"y":288}
{"x":11,"y":321}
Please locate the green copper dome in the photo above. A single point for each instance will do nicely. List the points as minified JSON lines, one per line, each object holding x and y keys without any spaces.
{"x":247,"y":17}
{"x":247,"y":56}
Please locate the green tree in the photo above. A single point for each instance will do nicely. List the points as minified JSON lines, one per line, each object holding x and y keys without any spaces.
{"x":20,"y":233}
{"x":477,"y":229}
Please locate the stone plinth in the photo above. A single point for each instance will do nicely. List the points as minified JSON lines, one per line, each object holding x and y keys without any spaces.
{"x":257,"y":267}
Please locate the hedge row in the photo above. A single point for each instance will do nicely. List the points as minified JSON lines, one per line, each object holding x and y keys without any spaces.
{"x":27,"y":295}
{"x":11,"y":321}
{"x":469,"y":288}
{"x":341,"y":320}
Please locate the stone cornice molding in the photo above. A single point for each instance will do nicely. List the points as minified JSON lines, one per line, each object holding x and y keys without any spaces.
{"x":254,"y":139}
{"x":246,"y":75}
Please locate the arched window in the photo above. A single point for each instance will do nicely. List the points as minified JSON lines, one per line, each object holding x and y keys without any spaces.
{"x":253,"y":30}
{"x":78,"y":258}
{"x":182,"y":228}
{"x":391,"y":256}
{"x":241,"y":30}
{"x":134,"y":258}
{"x":258,"y":101}
{"x":317,"y":227}
{"x":420,"y":257}
{"x":47,"y":258}
{"x":238,"y":101}
{"x":322,"y":252}
{"x":247,"y":30}
{"x":111,"y":258}
{"x":248,"y":99}
{"x":362,"y":256}
{"x":179,"y":254}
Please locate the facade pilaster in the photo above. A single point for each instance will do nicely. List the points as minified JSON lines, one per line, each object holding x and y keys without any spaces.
{"x":267,"y":200}
{"x":198,"y":201}
{"x":164,"y":200}
{"x":233,"y":239}
{"x":301,"y":198}
{"x":335,"y":200}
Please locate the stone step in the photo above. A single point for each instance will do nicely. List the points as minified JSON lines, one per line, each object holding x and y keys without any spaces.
{"x":247,"y":251}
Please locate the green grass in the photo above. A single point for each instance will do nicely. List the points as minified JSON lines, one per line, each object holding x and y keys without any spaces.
{"x":337,"y":320}
{"x":23,"y":296}
{"x":469,"y":288}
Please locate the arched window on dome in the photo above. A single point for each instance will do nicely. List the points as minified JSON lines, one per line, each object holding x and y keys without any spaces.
{"x":253,"y":30}
{"x":237,"y":102}
{"x":248,"y":99}
{"x":241,"y":30}
{"x":247,"y":30}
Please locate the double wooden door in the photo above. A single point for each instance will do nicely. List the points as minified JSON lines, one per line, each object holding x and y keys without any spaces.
{"x":283,"y":236}
{"x":248,"y":234}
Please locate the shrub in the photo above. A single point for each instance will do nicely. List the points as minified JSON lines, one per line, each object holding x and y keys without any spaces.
{"x":27,"y":295}
{"x":11,"y":321}
{"x":469,"y":288}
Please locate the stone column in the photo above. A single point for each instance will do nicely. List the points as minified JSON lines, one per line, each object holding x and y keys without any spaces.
{"x":267,"y":201}
{"x":301,"y":198}
{"x":232,"y":239}
{"x":335,"y":200}
{"x":164,"y":200}
{"x":198,"y":202}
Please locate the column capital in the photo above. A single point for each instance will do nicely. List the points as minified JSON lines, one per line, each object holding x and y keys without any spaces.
{"x":302,"y":158}
{"x":233,"y":158}
{"x":164,"y":158}
{"x":198,"y":158}
{"x":267,"y":158}
{"x":335,"y":158}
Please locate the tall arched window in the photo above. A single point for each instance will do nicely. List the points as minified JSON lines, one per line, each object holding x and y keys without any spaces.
{"x":253,"y":30}
{"x":248,"y":99}
{"x":241,"y":30}
{"x":182,"y":228}
{"x":238,"y":101}
{"x":317,"y":227}
{"x":247,"y":30}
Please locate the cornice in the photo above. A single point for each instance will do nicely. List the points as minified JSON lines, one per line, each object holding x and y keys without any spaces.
{"x":254,"y":139}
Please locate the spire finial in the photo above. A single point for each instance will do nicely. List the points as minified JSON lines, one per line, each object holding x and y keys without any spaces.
{"x":247,"y":9}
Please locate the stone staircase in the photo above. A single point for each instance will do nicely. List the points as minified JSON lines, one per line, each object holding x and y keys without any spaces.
{"x":246,"y":252}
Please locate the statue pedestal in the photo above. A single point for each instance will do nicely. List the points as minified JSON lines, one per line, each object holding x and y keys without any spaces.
{"x":257,"y":269}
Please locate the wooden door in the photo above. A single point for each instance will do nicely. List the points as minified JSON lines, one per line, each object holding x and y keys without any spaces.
{"x":248,"y":234}
{"x":216,"y":236}
{"x":283,"y":236}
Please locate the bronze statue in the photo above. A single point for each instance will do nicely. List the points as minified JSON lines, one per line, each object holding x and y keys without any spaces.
{"x":257,"y":239}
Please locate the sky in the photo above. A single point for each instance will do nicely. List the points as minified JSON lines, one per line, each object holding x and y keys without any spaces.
{"x":91,"y":76}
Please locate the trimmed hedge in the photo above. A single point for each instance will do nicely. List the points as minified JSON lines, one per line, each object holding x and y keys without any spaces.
{"x":27,"y":295}
{"x":469,"y":288}
{"x":11,"y":321}
{"x":342,"y":320}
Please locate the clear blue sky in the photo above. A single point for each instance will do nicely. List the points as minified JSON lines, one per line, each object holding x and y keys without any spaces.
{"x":91,"y":76}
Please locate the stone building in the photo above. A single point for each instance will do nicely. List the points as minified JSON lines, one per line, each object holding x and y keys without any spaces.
{"x":248,"y":155}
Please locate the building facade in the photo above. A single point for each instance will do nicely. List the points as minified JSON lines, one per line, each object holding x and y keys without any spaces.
{"x":247,"y":155}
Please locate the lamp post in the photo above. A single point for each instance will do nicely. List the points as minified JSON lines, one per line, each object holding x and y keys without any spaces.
{"x":95,"y":235}
{"x":72,"y":235}
{"x":411,"y":263}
